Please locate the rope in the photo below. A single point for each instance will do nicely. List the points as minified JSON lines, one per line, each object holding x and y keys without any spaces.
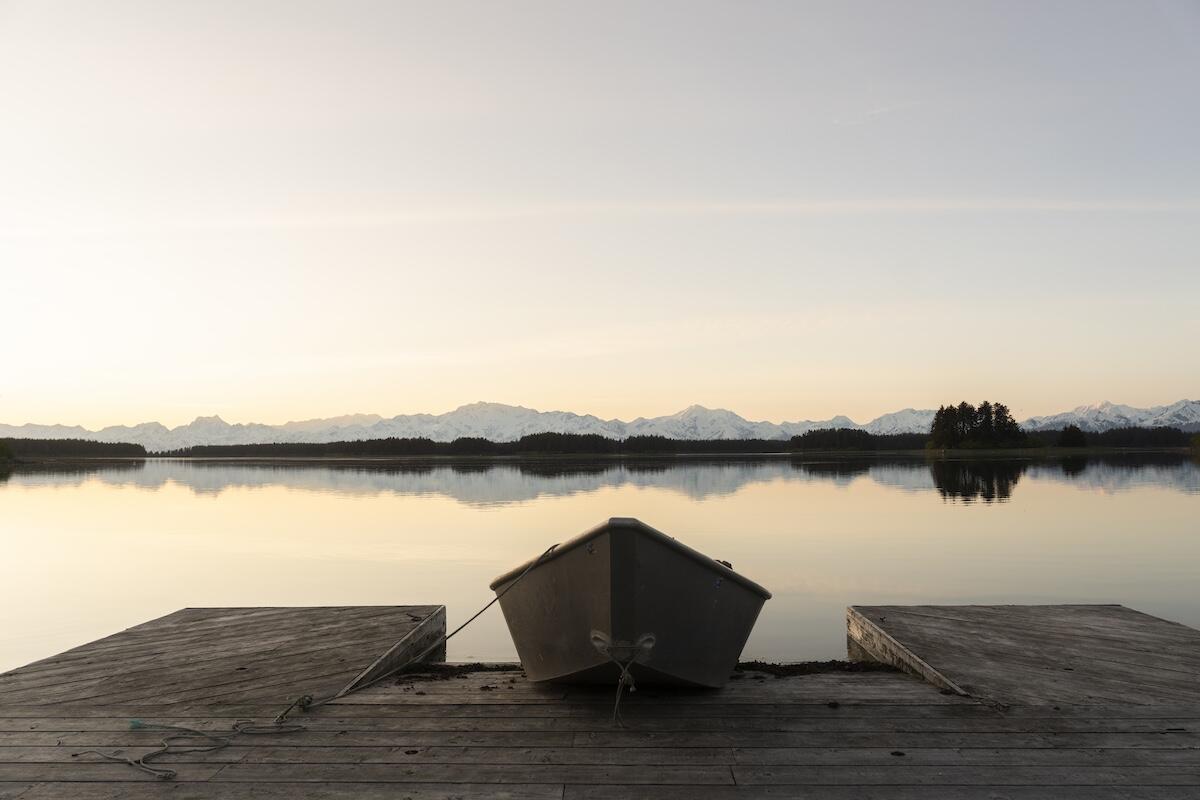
{"x":624,"y":655}
{"x":307,"y":703}
{"x":279,"y":725}
{"x":168,"y":745}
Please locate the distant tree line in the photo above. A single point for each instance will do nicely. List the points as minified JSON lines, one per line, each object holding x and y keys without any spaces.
{"x":651,"y":445}
{"x":974,"y":434}
{"x":534,"y":444}
{"x":854,"y":439}
{"x":1116,"y":437}
{"x":965,"y":426}
{"x":69,"y":448}
{"x":1071,"y":436}
{"x":559,"y":444}
{"x":1138,"y":437}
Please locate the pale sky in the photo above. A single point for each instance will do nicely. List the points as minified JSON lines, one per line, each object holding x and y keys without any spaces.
{"x":278,"y":211}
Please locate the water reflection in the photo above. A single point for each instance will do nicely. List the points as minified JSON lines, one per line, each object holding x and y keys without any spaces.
{"x":840,"y":471}
{"x":91,"y":550}
{"x":486,"y":483}
{"x":977,"y":480}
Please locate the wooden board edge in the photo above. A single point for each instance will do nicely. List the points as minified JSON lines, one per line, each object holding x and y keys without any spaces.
{"x":420,"y":638}
{"x":865,"y":638}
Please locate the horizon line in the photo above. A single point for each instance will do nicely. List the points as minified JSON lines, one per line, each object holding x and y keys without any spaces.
{"x":461,"y":406}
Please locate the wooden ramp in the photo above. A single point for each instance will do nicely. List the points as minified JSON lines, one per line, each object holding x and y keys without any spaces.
{"x":228,"y":656}
{"x":1077,"y":654}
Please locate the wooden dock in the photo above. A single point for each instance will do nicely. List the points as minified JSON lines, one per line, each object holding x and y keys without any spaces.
{"x":488,"y":733}
{"x":1065,"y":654}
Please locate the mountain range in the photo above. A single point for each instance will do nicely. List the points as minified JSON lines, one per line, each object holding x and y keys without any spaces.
{"x":500,"y":422}
{"x":1184,"y":415}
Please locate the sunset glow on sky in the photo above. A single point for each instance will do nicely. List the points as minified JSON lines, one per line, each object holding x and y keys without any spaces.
{"x":277,"y":211}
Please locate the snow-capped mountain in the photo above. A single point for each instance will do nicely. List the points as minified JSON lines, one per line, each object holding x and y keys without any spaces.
{"x":493,"y":421}
{"x":1184,"y":415}
{"x":909,"y":420}
{"x":500,"y":423}
{"x":343,"y":421}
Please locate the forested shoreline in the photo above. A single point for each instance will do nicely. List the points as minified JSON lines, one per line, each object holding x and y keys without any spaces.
{"x":18,"y":449}
{"x":846,"y":440}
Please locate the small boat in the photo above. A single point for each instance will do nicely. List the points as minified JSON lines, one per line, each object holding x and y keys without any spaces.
{"x":624,"y":599}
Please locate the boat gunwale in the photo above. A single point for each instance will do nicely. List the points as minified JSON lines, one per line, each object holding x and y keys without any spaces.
{"x":632,"y":523}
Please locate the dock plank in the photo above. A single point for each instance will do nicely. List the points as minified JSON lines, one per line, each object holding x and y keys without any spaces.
{"x":673,"y":756}
{"x":940,"y":775}
{"x":648,"y":722}
{"x":656,"y":774}
{"x":886,"y":792}
{"x":290,"y":791}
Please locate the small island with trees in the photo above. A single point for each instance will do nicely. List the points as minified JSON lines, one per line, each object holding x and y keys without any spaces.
{"x":990,"y":426}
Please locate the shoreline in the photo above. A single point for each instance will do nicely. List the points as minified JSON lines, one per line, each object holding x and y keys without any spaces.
{"x":1039,"y":453}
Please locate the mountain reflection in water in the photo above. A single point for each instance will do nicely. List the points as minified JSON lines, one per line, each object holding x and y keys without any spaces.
{"x":484,"y":483}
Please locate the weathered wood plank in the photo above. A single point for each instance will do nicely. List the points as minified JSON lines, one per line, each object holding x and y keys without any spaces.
{"x":966,"y":756}
{"x":967,"y":775}
{"x":474,"y":773}
{"x":100,"y":739}
{"x":117,"y":790}
{"x":627,"y":738}
{"x":862,"y":792}
{"x":467,"y":707}
{"x":98,"y":770}
{"x":44,"y":716}
{"x":645,"y":721}
{"x":619,"y":756}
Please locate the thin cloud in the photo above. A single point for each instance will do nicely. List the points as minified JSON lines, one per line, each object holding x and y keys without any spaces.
{"x":872,"y":115}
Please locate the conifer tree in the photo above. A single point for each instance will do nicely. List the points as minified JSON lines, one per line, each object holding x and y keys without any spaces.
{"x":987,"y":423}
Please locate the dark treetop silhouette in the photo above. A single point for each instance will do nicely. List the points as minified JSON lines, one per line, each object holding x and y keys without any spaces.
{"x":964,"y":425}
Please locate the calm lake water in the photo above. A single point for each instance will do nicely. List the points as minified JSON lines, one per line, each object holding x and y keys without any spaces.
{"x":89,"y":552}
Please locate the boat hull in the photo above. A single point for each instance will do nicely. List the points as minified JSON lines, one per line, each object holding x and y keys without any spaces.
{"x":624,"y":580}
